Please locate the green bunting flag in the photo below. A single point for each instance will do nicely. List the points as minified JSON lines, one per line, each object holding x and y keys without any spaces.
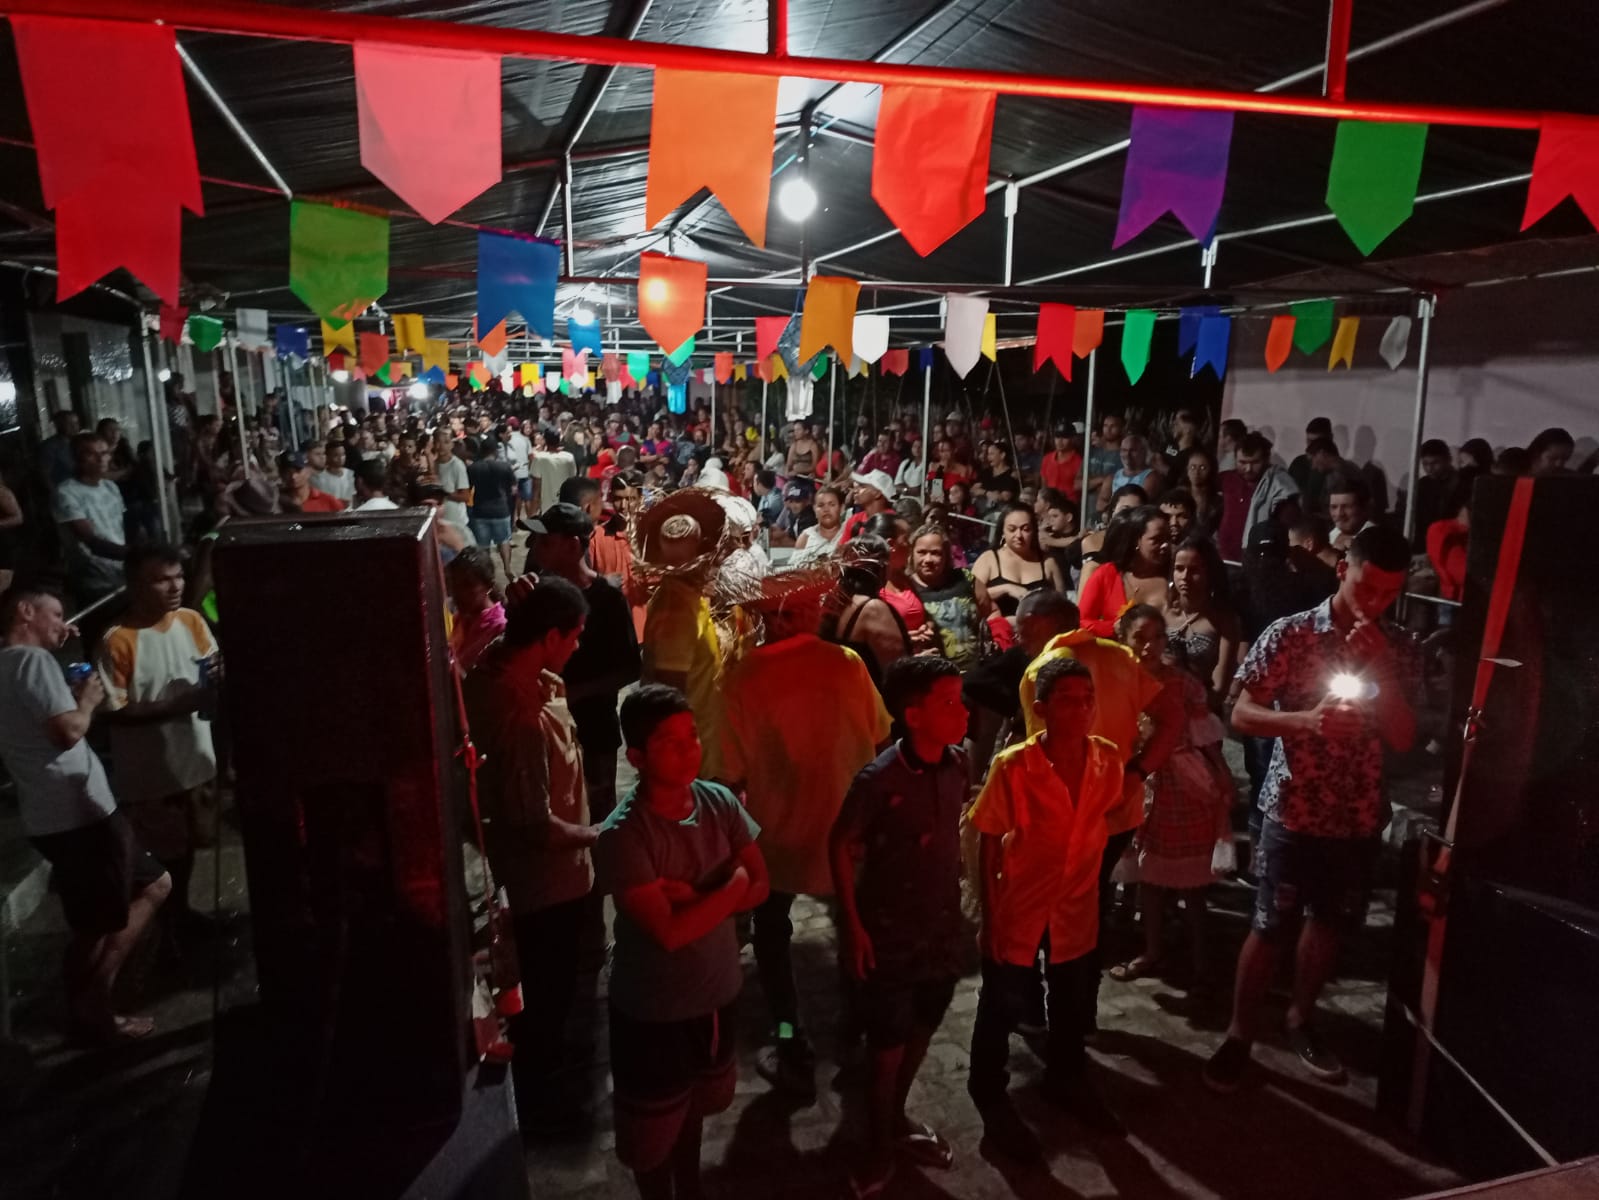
{"x":205,"y":333}
{"x":638,"y":366}
{"x":821,"y":365}
{"x":1137,"y":333}
{"x":1313,"y":324}
{"x":338,"y":259}
{"x":1371,"y":185}
{"x":682,"y":354}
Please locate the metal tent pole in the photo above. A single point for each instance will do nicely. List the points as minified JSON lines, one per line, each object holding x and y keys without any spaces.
{"x":832,"y":408}
{"x":1088,"y":439}
{"x":1419,"y":416}
{"x":160,"y":443}
{"x":927,"y":424}
{"x":765,"y":387}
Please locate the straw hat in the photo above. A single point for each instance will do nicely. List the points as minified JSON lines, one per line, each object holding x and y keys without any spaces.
{"x":778,"y":589}
{"x":686,"y":526}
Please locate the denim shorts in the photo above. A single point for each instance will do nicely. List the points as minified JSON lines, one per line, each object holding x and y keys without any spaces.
{"x":524,"y":487}
{"x":491,"y":531}
{"x":1326,"y":876}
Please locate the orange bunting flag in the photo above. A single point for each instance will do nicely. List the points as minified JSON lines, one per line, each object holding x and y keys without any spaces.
{"x":1279,"y":341}
{"x":452,"y":381}
{"x":374,"y":351}
{"x":1053,"y":342}
{"x":410,"y":334}
{"x":493,"y":342}
{"x":829,"y":316}
{"x":723,"y":367}
{"x":671,"y":298}
{"x":1088,"y":331}
{"x":478,"y":372}
{"x":712,"y":130}
{"x":1343,"y":347}
{"x":930,"y":160}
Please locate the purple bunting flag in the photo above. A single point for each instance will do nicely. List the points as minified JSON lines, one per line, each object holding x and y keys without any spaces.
{"x":1177,"y":163}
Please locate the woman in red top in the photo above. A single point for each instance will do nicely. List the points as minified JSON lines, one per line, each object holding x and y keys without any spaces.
{"x":897,"y":591}
{"x":1446,"y":548}
{"x":1133,"y":568}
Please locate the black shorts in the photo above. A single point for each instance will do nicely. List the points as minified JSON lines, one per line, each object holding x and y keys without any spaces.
{"x":890,"y":1010}
{"x":1327,"y":876}
{"x":663,"y":1072}
{"x":97,"y":870}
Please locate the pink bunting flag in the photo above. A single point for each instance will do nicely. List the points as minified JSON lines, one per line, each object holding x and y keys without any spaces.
{"x":429,"y":123}
{"x":118,"y":186}
{"x":1056,"y":325}
{"x":574,"y":364}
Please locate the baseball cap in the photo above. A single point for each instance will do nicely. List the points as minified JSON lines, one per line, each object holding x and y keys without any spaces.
{"x":881,"y":480}
{"x":562,"y":520}
{"x":796,"y":491}
{"x":294,"y":460}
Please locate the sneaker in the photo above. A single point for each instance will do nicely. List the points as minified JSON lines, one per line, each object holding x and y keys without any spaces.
{"x":1224,"y":1072}
{"x":1314,"y":1057}
{"x":788,"y":1068}
{"x":1081,"y":1098}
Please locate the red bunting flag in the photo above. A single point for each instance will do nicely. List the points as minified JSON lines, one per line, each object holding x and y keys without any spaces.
{"x":429,"y":123}
{"x":767,"y":332}
{"x":723,"y":367}
{"x":1567,"y":164}
{"x":1279,"y":341}
{"x":118,"y":187}
{"x":1056,"y":324}
{"x":829,"y":316}
{"x":671,"y":298}
{"x":930,"y":161}
{"x":710,"y":130}
{"x":374,"y":351}
{"x":1088,"y":331}
{"x":172,"y":320}
{"x":895,"y":362}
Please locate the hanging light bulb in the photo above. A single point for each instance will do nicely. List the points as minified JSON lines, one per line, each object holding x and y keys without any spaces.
{"x":583,"y":316}
{"x":797,"y":198}
{"x":417,"y":391}
{"x":164,"y":374}
{"x":656,"y":291}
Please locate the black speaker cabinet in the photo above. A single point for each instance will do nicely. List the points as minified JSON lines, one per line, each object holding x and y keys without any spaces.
{"x":350,"y":794}
{"x":1518,"y":992}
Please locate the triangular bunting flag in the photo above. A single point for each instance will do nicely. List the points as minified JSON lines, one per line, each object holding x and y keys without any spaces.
{"x":712,"y":130}
{"x":1395,"y":342}
{"x":585,"y":335}
{"x":1371,"y":184}
{"x":682,"y":354}
{"x":829,"y":316}
{"x":374,"y":351}
{"x":1313,"y":324}
{"x":251,"y":325}
{"x":1177,"y":163}
{"x":1567,"y":164}
{"x":435,"y":353}
{"x":118,"y":186}
{"x":492,"y":342}
{"x":452,"y":380}
{"x":1210,"y":347}
{"x":990,"y":346}
{"x":768,"y":330}
{"x":1088,"y":331}
{"x":172,"y":320}
{"x":1137,"y":332}
{"x":339,"y":337}
{"x":1053,"y":341}
{"x":671,"y":298}
{"x":429,"y":123}
{"x":895,"y":362}
{"x":611,"y":367}
{"x":964,"y":322}
{"x":777,"y":367}
{"x":870,"y":337}
{"x":638,"y":366}
{"x":478,"y":373}
{"x":723,"y":367}
{"x":575,"y":364}
{"x":740,"y":372}
{"x":338,"y":258}
{"x":1188,"y":322}
{"x":1279,"y":341}
{"x":399,"y":368}
{"x":924,"y":358}
{"x":930,"y":160}
{"x":1343,"y":347}
{"x":292,"y":341}
{"x":517,"y":275}
{"x":821,"y":365}
{"x":205,"y":333}
{"x":410,"y":333}
{"x":434,"y":375}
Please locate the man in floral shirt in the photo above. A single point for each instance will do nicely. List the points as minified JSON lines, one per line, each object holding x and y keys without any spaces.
{"x":1322,"y":799}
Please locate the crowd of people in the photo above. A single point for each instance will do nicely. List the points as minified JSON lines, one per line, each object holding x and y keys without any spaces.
{"x":915,"y":683}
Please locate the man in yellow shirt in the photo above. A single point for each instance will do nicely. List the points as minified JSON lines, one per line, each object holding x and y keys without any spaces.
{"x":1042,"y":820}
{"x":801,"y":718}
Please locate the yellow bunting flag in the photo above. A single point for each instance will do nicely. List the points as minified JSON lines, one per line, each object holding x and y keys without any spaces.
{"x":342,"y":338}
{"x":739,"y":372}
{"x":990,"y":345}
{"x":829,"y":316}
{"x":409,"y":333}
{"x":779,"y":367}
{"x":1343,"y":347}
{"x":435,"y":353}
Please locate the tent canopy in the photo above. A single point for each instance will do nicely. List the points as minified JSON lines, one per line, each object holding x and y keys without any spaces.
{"x":296,"y":100}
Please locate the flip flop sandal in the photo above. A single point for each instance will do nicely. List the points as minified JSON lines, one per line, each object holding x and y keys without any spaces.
{"x":925,"y":1147}
{"x":1132,"y":969}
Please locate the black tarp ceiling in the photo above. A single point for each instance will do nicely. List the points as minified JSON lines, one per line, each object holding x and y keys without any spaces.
{"x":297,"y":100}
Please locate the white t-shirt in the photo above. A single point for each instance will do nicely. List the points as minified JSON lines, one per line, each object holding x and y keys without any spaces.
{"x":57,"y":789}
{"x":157,"y":662}
{"x":910,"y":475}
{"x":517,"y":449}
{"x":452,"y":478}
{"x":101,"y":505}
{"x":375,"y":504}
{"x":339,"y":484}
{"x":551,"y":470}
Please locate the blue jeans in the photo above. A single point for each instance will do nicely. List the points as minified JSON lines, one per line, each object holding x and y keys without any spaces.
{"x":491,"y":531}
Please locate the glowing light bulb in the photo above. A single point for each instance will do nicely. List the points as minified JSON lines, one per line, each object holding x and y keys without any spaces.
{"x":797,"y":199}
{"x":417,"y":391}
{"x":656,"y":291}
{"x":1345,"y":686}
{"x":583,"y":316}
{"x":164,"y":374}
